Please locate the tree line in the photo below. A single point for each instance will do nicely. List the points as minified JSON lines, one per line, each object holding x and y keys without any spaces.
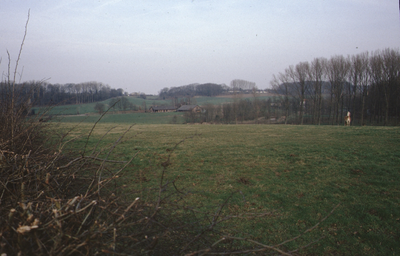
{"x":207,"y":89}
{"x":44,"y":94}
{"x":240,"y":110}
{"x":324,"y":90}
{"x":321,"y":92}
{"x":191,"y":90}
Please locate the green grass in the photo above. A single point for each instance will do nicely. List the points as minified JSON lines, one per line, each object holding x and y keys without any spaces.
{"x":130,"y":118}
{"x":301,"y":172}
{"x":88,"y":108}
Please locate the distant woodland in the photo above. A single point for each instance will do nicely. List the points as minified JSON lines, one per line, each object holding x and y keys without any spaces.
{"x":207,"y":89}
{"x":367,"y":85}
{"x":45,"y":94}
{"x":191,"y":90}
{"x":322,"y":92}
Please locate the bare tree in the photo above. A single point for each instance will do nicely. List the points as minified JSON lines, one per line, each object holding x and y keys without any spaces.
{"x":237,"y":96}
{"x":144,"y":106}
{"x":376,"y":65}
{"x":391,"y":74}
{"x":256,"y":103}
{"x":298,"y":77}
{"x":240,"y":84}
{"x":359,"y":77}
{"x":211,"y":112}
{"x":280,"y":85}
{"x":365,"y":75}
{"x":363,"y":84}
{"x":316,"y":76}
{"x":337,"y":70}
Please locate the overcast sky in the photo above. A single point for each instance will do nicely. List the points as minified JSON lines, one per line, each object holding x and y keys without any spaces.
{"x":151,"y":44}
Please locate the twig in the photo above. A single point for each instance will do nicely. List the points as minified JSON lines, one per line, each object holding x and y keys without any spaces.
{"x":91,"y":157}
{"x":127,"y":209}
{"x":22,"y":44}
{"x":105,"y":160}
{"x":87,"y":215}
{"x":313,"y":242}
{"x":121,"y":169}
{"x":98,"y":120}
{"x":310,"y":229}
{"x":213,"y":223}
{"x":165,"y":165}
{"x":98,"y":142}
{"x":99,"y":171}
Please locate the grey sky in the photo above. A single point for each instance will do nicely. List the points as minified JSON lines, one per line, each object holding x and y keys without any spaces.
{"x":151,"y":44}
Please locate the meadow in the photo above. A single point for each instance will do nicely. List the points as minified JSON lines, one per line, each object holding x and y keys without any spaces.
{"x":129,"y":118}
{"x":88,"y":108}
{"x":296,"y":173}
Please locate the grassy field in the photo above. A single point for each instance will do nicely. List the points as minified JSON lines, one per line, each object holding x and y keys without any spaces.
{"x":88,"y":108}
{"x":130,"y":118}
{"x":299,"y":172}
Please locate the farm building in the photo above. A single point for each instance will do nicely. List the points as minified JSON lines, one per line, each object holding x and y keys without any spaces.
{"x":187,"y":108}
{"x":162,"y":109}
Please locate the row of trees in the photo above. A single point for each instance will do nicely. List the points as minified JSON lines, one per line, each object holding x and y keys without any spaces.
{"x":191,"y":90}
{"x":208,"y":89}
{"x":242,"y":85}
{"x":45,"y":94}
{"x":240,"y":110}
{"x":322,"y":91}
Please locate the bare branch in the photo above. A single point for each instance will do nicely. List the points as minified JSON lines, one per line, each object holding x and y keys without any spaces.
{"x":20,"y":48}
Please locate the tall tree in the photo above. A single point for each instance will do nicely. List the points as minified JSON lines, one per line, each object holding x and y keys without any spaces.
{"x":355,"y":73}
{"x":237,"y":96}
{"x":376,"y":65}
{"x":280,"y":85}
{"x":298,"y":77}
{"x":337,"y":69}
{"x":359,"y":78}
{"x":391,"y":75}
{"x":256,"y":103}
{"x":316,"y":76}
{"x":240,"y":84}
